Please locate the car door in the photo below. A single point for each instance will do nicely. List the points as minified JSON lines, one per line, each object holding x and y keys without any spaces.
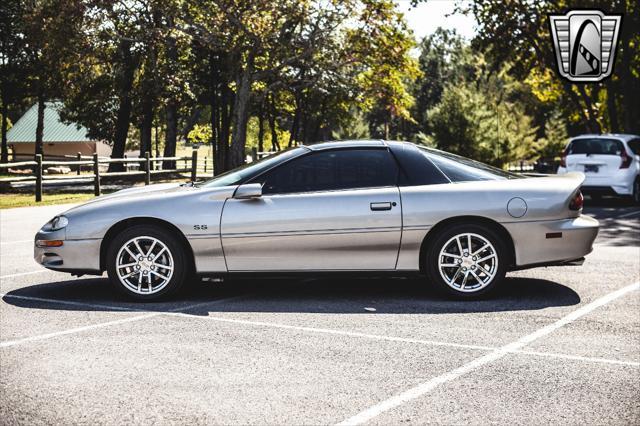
{"x":328,"y":210}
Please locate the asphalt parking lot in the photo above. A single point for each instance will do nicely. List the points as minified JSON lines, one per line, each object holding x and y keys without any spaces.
{"x":554,"y":345}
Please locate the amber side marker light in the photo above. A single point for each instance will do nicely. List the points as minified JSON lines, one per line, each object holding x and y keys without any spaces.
{"x":49,"y":243}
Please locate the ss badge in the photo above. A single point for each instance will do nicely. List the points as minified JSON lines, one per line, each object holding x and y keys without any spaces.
{"x":200,"y":227}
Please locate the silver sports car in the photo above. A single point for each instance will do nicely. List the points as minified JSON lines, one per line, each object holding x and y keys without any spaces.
{"x":358,"y":206}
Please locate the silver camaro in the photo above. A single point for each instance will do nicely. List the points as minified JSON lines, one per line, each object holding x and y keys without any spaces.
{"x":358,"y":206}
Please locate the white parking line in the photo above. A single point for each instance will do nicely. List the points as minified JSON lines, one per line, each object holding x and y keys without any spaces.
{"x":335,"y":332}
{"x":316,"y":330}
{"x":405,"y":340}
{"x":149,"y":314}
{"x":578,"y":358}
{"x":76,"y":330}
{"x":24,"y":273}
{"x":429,"y":385}
{"x":628,"y":214}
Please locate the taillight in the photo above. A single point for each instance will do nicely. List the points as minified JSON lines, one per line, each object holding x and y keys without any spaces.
{"x":563,"y":159}
{"x":626,"y":160}
{"x":577,"y":202}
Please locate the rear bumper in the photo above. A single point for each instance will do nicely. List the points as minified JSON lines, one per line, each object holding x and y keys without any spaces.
{"x":616,"y":182}
{"x":556,"y":241}
{"x":616,"y":190}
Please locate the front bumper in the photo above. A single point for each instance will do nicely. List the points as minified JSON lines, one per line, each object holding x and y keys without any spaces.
{"x":553,"y":241}
{"x":76,"y":256}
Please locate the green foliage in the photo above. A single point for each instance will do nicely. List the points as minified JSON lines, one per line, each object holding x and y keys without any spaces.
{"x":519,"y":34}
{"x":478,"y":119}
{"x":555,"y":139}
{"x":238,"y":74}
{"x":356,"y":128}
{"x":199,"y":134}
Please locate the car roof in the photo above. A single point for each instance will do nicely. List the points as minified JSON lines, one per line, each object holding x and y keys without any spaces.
{"x":364,"y":143}
{"x":621,"y":136}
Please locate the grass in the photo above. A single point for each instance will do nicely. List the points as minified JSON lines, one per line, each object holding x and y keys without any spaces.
{"x":8,"y":201}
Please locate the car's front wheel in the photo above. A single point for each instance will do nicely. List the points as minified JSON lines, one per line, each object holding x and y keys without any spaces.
{"x":146,"y":263}
{"x":467,"y":261}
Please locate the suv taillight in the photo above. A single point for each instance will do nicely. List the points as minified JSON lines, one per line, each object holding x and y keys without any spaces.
{"x":626,"y":159}
{"x":576,"y":202}
{"x":563,"y":158}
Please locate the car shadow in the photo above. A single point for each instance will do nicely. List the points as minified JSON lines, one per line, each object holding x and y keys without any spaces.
{"x":322,"y":295}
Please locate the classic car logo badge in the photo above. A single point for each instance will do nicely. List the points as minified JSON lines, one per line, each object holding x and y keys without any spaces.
{"x":585,"y":44}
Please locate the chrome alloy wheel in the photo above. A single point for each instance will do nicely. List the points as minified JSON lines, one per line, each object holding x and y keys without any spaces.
{"x":468,"y":262}
{"x":144,"y":265}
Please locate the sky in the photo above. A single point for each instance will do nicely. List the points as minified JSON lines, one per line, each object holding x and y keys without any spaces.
{"x":426,"y":17}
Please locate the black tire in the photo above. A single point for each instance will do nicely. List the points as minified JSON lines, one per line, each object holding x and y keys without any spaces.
{"x":499,"y":270}
{"x":181,"y":269}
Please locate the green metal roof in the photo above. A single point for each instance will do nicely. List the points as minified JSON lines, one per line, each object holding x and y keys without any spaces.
{"x":55,"y":131}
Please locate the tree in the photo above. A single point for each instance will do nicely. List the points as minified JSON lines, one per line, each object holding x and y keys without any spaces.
{"x":555,"y":137}
{"x":49,"y":28}
{"x":11,"y":66}
{"x":444,"y":59}
{"x":483,"y":119}
{"x":519,"y":34}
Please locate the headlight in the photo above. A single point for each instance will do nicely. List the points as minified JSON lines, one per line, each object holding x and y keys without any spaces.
{"x":58,"y":222}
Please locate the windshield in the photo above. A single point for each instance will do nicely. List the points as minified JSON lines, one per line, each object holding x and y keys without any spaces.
{"x":251,"y":170}
{"x":462,"y":169}
{"x":595,"y":146}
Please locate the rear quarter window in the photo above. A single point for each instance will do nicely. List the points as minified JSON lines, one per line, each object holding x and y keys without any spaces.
{"x":462,"y":169}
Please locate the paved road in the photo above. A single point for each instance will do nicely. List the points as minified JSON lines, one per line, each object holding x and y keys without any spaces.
{"x":555,"y":345}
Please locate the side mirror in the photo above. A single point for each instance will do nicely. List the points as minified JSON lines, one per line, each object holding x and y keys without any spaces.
{"x":249,"y":190}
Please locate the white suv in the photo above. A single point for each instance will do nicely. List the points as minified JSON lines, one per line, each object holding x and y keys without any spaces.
{"x":610,"y":162}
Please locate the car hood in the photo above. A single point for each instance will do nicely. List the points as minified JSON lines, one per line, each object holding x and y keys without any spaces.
{"x":137,"y":193}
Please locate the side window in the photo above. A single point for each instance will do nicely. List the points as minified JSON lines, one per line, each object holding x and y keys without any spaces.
{"x":332,"y":170}
{"x":416,"y":167}
{"x":634,"y":145}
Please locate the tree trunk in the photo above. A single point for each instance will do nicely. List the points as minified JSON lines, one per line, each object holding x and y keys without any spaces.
{"x":293,"y":133}
{"x":594,"y":126}
{"x":261,"y":129}
{"x":612,"y":107}
{"x":241,"y":114}
{"x":275,"y":146}
{"x":171,"y":134}
{"x":40,"y":125}
{"x":124,"y":105}
{"x":146,"y":126}
{"x":222,"y":154}
{"x":4,"y":152}
{"x":157,"y":143}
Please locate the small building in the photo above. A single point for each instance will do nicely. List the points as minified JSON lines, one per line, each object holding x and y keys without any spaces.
{"x":59,"y":139}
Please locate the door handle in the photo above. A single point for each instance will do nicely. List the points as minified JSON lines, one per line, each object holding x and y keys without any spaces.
{"x":381,"y":206}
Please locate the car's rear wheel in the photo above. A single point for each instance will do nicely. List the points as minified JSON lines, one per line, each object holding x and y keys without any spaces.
{"x":146,"y":263}
{"x":467,"y":261}
{"x":636,"y":191}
